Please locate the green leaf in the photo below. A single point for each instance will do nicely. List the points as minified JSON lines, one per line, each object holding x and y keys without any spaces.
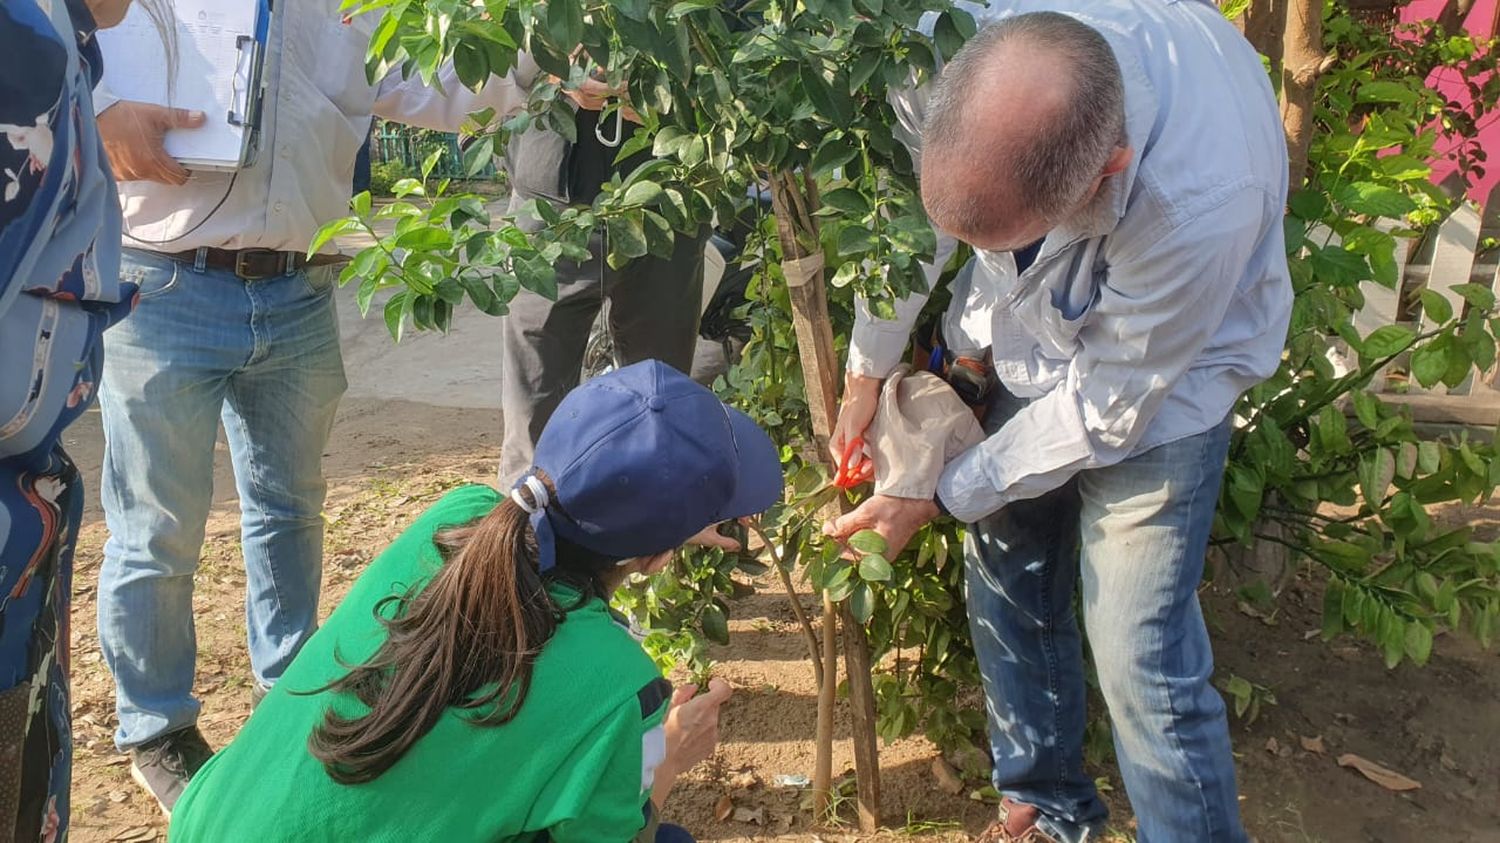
{"x":329,"y":231}
{"x":1367,"y":408}
{"x":1376,"y":200}
{"x":660,"y":239}
{"x":1418,"y":642}
{"x":835,"y":151}
{"x":687,"y":7}
{"x":862,"y":603}
{"x":642,"y":193}
{"x":361,"y":203}
{"x":536,"y":275}
{"x":1308,"y":204}
{"x":395,"y":309}
{"x":848,"y":200}
{"x":1383,"y":91}
{"x":1436,"y":307}
{"x":627,"y":236}
{"x":1429,"y":363}
{"x":1429,"y":457}
{"x":875,"y":567}
{"x":949,"y":38}
{"x":855,"y":239}
{"x":845,"y":275}
{"x":868,"y":541}
{"x":834,"y":108}
{"x":1333,"y":430}
{"x":470,"y":63}
{"x":1476,"y":295}
{"x":1406,"y":460}
{"x":425,"y":238}
{"x":1376,"y":471}
{"x":669,"y":141}
{"x":1388,"y":341}
{"x":565,"y":22}
{"x":1339,"y":266}
{"x":481,"y":294}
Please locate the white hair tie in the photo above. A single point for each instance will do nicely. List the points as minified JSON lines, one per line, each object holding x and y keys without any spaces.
{"x":539,"y":494}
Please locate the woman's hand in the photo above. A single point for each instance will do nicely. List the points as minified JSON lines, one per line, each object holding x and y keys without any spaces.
{"x":710,"y":537}
{"x":692,"y":728}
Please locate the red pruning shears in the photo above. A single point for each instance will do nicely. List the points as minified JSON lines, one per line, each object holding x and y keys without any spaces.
{"x":855,"y":467}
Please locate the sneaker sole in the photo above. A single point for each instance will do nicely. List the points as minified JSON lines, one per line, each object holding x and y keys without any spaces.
{"x":135,"y":773}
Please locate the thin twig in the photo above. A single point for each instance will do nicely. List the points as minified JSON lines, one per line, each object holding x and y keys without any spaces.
{"x":791,"y":596}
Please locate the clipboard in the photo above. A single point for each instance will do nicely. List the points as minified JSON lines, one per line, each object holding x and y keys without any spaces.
{"x":221,"y":50}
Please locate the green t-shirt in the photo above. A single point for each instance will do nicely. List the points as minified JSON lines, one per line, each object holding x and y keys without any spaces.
{"x":575,"y":764}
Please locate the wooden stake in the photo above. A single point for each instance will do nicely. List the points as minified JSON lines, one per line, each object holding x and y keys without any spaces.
{"x":794,"y":204}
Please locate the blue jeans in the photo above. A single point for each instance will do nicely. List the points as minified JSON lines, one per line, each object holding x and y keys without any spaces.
{"x":668,"y":833}
{"x":1137,"y":532}
{"x":202,"y":347}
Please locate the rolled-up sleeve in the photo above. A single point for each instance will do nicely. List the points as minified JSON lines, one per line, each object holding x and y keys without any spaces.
{"x":877,"y":345}
{"x":446,"y":104}
{"x":1158,"y":308}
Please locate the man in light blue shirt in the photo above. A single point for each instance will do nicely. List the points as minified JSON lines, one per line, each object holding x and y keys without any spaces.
{"x":1138,"y":142}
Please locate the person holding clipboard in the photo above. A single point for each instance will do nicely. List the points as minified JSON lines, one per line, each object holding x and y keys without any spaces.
{"x":234,"y":324}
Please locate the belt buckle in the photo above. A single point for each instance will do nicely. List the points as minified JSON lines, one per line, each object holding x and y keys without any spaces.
{"x":242,"y":268}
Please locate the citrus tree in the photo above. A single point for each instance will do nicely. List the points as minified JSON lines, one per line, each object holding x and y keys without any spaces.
{"x":790,"y":96}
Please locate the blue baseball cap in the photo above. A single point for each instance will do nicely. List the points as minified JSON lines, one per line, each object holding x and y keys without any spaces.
{"x":642,"y":459}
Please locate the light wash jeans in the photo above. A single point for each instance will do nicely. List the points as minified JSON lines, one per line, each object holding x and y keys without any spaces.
{"x":203,"y":347}
{"x":1138,"y":532}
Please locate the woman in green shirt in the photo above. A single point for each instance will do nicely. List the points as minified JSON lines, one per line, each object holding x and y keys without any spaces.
{"x":474,"y":685}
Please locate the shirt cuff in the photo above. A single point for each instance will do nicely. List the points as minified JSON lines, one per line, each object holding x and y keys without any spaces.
{"x":966,"y":490}
{"x":103,"y":99}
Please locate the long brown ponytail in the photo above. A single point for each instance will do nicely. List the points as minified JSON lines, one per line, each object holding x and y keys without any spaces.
{"x":468,"y":640}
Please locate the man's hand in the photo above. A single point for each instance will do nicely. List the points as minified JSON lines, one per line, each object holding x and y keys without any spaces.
{"x":895,"y":519}
{"x":133,"y":133}
{"x":861,"y":400}
{"x":692,"y":732}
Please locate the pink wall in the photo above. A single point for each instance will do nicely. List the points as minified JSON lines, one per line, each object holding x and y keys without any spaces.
{"x":1479,"y":24}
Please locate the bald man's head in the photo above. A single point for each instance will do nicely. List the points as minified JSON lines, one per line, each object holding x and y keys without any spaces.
{"x":1024,"y":124}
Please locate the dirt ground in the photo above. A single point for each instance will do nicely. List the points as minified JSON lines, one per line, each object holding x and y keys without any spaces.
{"x":390,"y":459}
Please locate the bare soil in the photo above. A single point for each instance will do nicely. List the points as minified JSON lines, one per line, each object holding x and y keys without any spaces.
{"x":389,"y":460}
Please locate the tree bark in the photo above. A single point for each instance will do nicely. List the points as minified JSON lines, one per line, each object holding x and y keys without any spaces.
{"x":1301,"y":67}
{"x":1264,"y":24}
{"x":794,"y":201}
{"x":1452,"y":17}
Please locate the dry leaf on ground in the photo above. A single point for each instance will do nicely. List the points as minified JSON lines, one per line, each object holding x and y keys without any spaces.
{"x":724,"y":808}
{"x":1314,"y":744}
{"x":139,"y":834}
{"x":1383,"y":776}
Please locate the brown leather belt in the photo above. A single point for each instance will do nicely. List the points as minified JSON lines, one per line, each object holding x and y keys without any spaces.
{"x":253,"y":264}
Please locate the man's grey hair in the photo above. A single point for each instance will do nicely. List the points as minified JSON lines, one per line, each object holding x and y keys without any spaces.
{"x":1047,"y":174}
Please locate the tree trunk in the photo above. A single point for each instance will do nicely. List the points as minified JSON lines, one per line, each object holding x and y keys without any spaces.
{"x":794,"y":201}
{"x":1451,"y":18}
{"x":1301,"y":67}
{"x":1264,"y":24}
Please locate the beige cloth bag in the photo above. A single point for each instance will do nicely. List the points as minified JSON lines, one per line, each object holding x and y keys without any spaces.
{"x":920,"y":425}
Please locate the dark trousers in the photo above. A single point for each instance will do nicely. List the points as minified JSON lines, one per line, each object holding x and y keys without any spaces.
{"x":654,"y":305}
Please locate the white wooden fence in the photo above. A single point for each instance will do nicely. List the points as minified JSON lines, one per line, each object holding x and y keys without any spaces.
{"x":1453,"y":256}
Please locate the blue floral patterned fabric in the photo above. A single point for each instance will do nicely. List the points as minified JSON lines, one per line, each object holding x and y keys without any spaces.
{"x":59,"y":290}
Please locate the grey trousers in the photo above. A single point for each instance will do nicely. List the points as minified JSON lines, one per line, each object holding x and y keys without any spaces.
{"x":654,"y":307}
